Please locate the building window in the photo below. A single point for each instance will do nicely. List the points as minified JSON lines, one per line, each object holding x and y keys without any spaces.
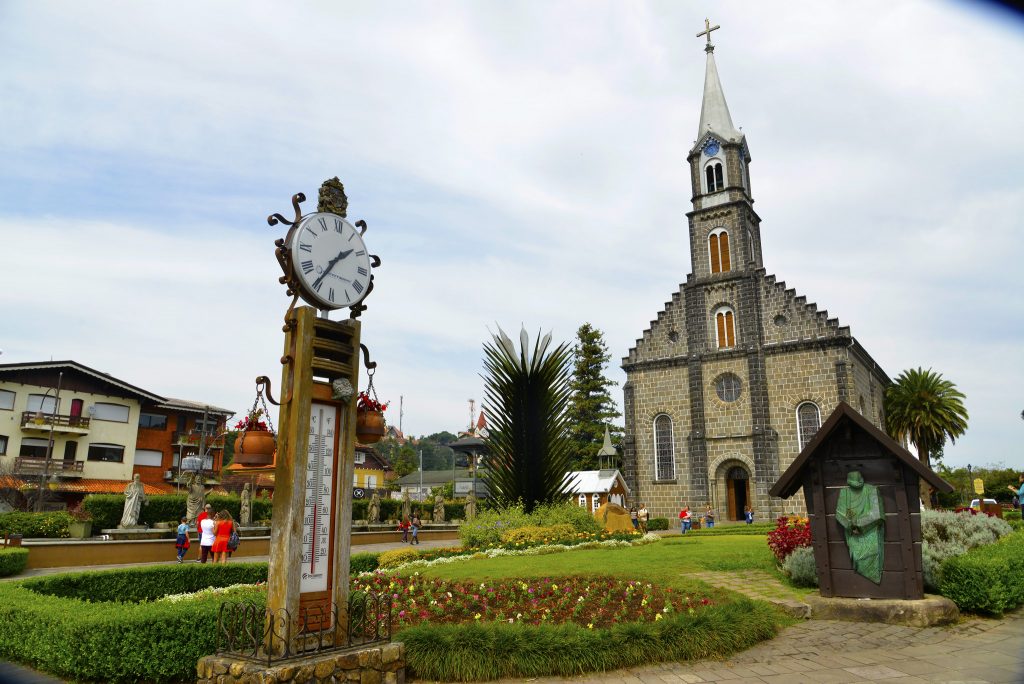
{"x":664,"y":449}
{"x":713,"y":176}
{"x":583,"y":500}
{"x":209,"y":426}
{"x":725,"y":328}
{"x":41,"y":403}
{"x":595,"y":501}
{"x":808,"y":420}
{"x":360,"y":457}
{"x":371,"y":481}
{"x":721,"y":259}
{"x":115,"y":413}
{"x":3,"y":445}
{"x":152,"y":421}
{"x":6,"y":400}
{"x":149,"y":457}
{"x":728,"y":387}
{"x":32,"y":447}
{"x":111,"y":453}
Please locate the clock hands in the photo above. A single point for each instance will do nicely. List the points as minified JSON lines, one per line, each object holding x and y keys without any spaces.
{"x":330,"y":265}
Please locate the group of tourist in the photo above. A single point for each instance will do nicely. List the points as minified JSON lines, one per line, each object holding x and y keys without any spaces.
{"x":410,"y":528}
{"x":640,"y":517}
{"x":218,"y":536}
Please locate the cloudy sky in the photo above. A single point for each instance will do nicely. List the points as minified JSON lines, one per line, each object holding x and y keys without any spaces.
{"x":518,"y":163}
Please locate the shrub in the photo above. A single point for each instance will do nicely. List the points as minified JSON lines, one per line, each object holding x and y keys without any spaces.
{"x":486,"y":529}
{"x":657,"y":524}
{"x":13,"y":560}
{"x":987,"y":579}
{"x":106,"y":509}
{"x":581,"y":519}
{"x":535,"y":534}
{"x":801,"y":568}
{"x":945,"y":535}
{"x":790,"y":533}
{"x":363,"y":562}
{"x":760,"y":528}
{"x":47,"y":525}
{"x":497,"y":650}
{"x":396,"y":557}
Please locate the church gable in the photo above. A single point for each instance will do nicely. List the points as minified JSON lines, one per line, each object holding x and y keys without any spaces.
{"x":666,"y":338}
{"x":789,"y":317}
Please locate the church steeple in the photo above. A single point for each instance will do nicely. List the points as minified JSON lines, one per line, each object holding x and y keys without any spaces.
{"x":714,"y":112}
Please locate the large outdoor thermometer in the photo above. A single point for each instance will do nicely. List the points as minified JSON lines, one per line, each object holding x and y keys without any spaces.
{"x":318,"y":515}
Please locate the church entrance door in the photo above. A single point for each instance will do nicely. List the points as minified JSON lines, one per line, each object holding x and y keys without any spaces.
{"x":737,"y":489}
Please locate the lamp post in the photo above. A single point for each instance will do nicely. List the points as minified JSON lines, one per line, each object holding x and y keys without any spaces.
{"x":49,"y":442}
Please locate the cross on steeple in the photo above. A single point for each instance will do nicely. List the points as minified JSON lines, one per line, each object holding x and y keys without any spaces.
{"x":708,"y":28}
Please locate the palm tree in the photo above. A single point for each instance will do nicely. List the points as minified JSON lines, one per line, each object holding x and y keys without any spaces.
{"x":527,"y":396}
{"x":925,"y":409}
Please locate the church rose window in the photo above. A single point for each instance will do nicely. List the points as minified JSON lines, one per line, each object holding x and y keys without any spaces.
{"x":808,"y":420}
{"x":721,"y":259}
{"x":726,"y":329}
{"x":665,"y":457}
{"x":728,"y":387}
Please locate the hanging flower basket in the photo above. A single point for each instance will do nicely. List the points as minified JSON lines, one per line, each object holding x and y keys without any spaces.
{"x":256,"y":444}
{"x":370,"y":425}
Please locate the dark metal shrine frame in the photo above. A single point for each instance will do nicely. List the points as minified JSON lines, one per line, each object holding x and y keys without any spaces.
{"x":245,"y":630}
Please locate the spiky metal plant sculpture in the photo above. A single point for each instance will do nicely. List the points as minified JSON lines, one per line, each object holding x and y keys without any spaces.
{"x":527,"y":395}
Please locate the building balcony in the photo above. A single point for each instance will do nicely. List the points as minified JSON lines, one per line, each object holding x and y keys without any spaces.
{"x":191,"y":439}
{"x":26,"y":465}
{"x":41,"y":422}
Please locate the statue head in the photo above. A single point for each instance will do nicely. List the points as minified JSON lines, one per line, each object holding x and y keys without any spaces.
{"x":246,"y":487}
{"x":136,"y":477}
{"x":855,"y":480}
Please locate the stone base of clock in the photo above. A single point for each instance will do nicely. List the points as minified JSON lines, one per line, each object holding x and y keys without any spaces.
{"x":380,"y":664}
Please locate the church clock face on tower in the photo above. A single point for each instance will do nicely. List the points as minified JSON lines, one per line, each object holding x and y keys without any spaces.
{"x":711,"y":149}
{"x":330,"y":261}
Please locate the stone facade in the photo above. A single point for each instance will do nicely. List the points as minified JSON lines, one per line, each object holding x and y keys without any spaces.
{"x":383,"y":664}
{"x":784,"y":352}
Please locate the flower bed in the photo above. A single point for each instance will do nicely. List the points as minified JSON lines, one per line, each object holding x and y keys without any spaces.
{"x":587,"y":601}
{"x":790,"y":533}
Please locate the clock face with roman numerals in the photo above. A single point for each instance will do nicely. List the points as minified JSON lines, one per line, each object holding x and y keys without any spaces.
{"x":330,"y":261}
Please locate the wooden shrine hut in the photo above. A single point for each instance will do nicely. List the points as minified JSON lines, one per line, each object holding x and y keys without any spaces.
{"x":848,"y":442}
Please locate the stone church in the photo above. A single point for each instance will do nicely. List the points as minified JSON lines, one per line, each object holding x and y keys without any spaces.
{"x":738,"y":371}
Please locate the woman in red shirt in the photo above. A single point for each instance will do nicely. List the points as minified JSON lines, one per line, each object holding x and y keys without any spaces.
{"x":225,"y":525}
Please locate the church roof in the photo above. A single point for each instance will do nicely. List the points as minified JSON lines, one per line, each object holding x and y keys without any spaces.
{"x":714,"y":112}
{"x":607,"y":449}
{"x":594,"y":481}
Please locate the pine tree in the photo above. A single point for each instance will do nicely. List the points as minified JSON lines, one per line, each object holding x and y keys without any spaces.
{"x":591,"y":406}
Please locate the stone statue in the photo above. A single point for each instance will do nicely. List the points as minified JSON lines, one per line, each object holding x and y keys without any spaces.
{"x":196,"y":497}
{"x":245,"y":513}
{"x":470,"y":506}
{"x":134,"y":497}
{"x":438,"y":508}
{"x":373,"y":514}
{"x":406,"y":505}
{"x":862,"y":515}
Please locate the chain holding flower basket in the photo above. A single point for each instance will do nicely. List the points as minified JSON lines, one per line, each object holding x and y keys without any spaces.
{"x":370,"y":423}
{"x":256,"y":444}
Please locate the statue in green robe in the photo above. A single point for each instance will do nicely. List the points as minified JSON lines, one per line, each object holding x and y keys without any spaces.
{"x":862,"y":515}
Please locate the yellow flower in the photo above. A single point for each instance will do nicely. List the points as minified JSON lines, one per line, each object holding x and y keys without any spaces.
{"x":657,"y":617}
{"x":590,"y":625}
{"x":477,"y":616}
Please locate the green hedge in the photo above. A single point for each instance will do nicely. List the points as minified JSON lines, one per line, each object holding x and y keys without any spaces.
{"x":657,"y":524}
{"x":391,"y":509}
{"x":106,"y":509}
{"x":114,"y":642}
{"x":363,"y":562}
{"x":762,"y":528}
{"x":34,"y":525}
{"x":987,"y":579}
{"x":13,"y":560}
{"x":498,"y":650}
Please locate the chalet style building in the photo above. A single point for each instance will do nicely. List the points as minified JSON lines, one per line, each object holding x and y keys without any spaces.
{"x":103,"y":431}
{"x":734,"y":375}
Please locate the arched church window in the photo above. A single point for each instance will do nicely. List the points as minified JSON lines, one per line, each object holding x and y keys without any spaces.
{"x":664,"y":449}
{"x":725,"y":328}
{"x":808,"y":420}
{"x":718,"y":245}
{"x":714,"y":176}
{"x":583,"y":500}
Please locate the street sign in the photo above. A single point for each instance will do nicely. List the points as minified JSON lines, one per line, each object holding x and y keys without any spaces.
{"x":979,"y":486}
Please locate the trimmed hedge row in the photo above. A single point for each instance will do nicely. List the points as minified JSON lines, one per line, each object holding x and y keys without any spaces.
{"x":51,"y":524}
{"x":753,"y":528}
{"x":13,"y":560}
{"x":987,"y":579}
{"x":657,"y":524}
{"x":498,"y":650}
{"x":106,"y":509}
{"x":391,"y":509}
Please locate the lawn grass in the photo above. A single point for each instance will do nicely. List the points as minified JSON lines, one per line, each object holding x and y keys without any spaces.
{"x":669,"y":562}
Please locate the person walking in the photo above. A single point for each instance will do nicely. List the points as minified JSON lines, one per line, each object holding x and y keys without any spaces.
{"x":642,"y":516}
{"x":709,"y":517}
{"x":225,"y":526}
{"x":685,"y":521}
{"x":748,"y":515}
{"x":633,"y":518}
{"x":403,"y":527}
{"x":181,"y":542}
{"x":207,"y":535}
{"x":415,"y":524}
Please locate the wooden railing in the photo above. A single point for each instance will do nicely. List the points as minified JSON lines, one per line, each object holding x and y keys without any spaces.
{"x":26,"y":465}
{"x":43,"y":420}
